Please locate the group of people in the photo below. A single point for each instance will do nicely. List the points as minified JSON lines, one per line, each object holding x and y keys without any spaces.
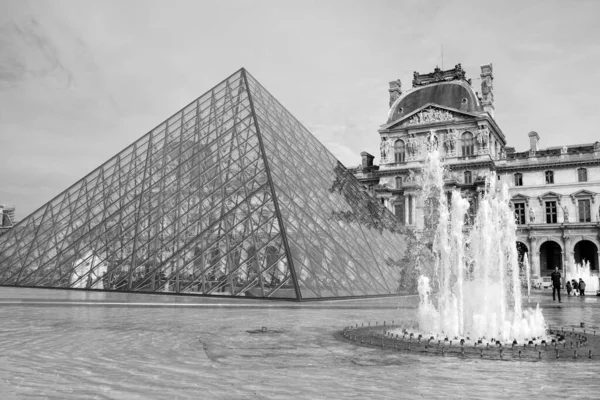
{"x":577,"y":288}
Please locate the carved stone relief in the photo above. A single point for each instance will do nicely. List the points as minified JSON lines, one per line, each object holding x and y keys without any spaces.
{"x":431,"y":115}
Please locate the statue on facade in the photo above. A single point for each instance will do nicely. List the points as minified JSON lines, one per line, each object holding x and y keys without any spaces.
{"x":416,"y":81}
{"x":483,"y":136}
{"x":459,"y":72}
{"x":437,"y":74}
{"x":565,"y":214}
{"x":395,"y":91}
{"x":531,"y":215}
{"x":432,"y":141}
{"x":450,"y":140}
{"x":384,"y":147}
{"x":412,"y":146}
{"x":564,"y":150}
{"x":597,"y":146}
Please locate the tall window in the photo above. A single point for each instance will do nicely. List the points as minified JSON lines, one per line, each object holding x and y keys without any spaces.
{"x":582,"y":175}
{"x":399,"y":151}
{"x":399,"y":210}
{"x":468,"y":177}
{"x":520,"y":213}
{"x":398,"y":182}
{"x":585,"y":214}
{"x":549,"y":177}
{"x":518,"y":179}
{"x":551,"y":212}
{"x":467,"y":144}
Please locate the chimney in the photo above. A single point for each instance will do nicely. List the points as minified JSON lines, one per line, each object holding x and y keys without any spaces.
{"x":487,"y":89}
{"x":367,"y":160}
{"x":534,"y":142}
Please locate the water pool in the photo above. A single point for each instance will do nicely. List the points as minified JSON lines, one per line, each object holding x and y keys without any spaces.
{"x":53,"y":347}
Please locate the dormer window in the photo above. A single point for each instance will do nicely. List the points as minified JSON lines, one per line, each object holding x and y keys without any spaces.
{"x":549,"y":177}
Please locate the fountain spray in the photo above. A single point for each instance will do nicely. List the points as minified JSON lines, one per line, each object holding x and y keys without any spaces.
{"x":476,"y":276}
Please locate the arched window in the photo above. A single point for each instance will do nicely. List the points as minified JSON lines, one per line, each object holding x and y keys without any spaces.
{"x":549,"y":177}
{"x":468,"y":177}
{"x":467,"y":144}
{"x":399,"y":151}
{"x":582,"y":174}
{"x":398,"y":182}
{"x":518,"y":179}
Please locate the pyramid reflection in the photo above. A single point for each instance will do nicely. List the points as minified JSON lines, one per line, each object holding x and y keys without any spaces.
{"x":229,"y":196}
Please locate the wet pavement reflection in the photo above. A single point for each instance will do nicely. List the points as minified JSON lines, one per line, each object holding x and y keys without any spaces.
{"x":134,"y":347}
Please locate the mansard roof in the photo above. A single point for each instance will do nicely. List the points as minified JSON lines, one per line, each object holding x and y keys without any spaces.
{"x":457,"y":94}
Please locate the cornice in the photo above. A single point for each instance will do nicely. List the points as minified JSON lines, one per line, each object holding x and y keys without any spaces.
{"x":554,"y":165}
{"x":475,"y":164}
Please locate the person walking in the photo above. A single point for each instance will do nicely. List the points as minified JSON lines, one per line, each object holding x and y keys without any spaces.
{"x":555,"y":276}
{"x":581,"y":287}
{"x":569,"y":288}
{"x":575,"y":287}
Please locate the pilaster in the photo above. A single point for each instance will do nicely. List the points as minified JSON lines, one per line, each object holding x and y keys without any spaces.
{"x":534,"y":260}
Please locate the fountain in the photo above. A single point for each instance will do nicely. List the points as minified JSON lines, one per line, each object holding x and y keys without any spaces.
{"x":527,"y":268}
{"x":583,"y":271}
{"x":476,"y":276}
{"x":470,"y":297}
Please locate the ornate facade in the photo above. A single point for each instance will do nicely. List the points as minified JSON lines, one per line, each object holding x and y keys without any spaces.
{"x":555,"y":192}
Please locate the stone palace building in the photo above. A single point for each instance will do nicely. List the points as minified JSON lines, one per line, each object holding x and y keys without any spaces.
{"x":555,"y":192}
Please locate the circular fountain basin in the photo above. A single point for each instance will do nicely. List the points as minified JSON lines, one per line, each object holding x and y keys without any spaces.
{"x":560,"y":344}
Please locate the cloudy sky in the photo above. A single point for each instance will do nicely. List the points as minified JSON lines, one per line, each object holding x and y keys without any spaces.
{"x":80,"y":80}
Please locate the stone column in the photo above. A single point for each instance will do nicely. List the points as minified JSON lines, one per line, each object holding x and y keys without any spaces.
{"x":406,"y":202}
{"x":416,"y":219}
{"x":568,"y":255}
{"x":534,"y":256}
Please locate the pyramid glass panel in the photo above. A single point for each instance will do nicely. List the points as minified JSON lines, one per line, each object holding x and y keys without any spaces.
{"x":231,"y":196}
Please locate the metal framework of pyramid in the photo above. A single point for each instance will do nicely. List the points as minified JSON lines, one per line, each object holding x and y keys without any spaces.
{"x":229,"y":196}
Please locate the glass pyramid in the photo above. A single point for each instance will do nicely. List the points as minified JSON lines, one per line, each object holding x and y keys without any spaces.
{"x":230,"y":196}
